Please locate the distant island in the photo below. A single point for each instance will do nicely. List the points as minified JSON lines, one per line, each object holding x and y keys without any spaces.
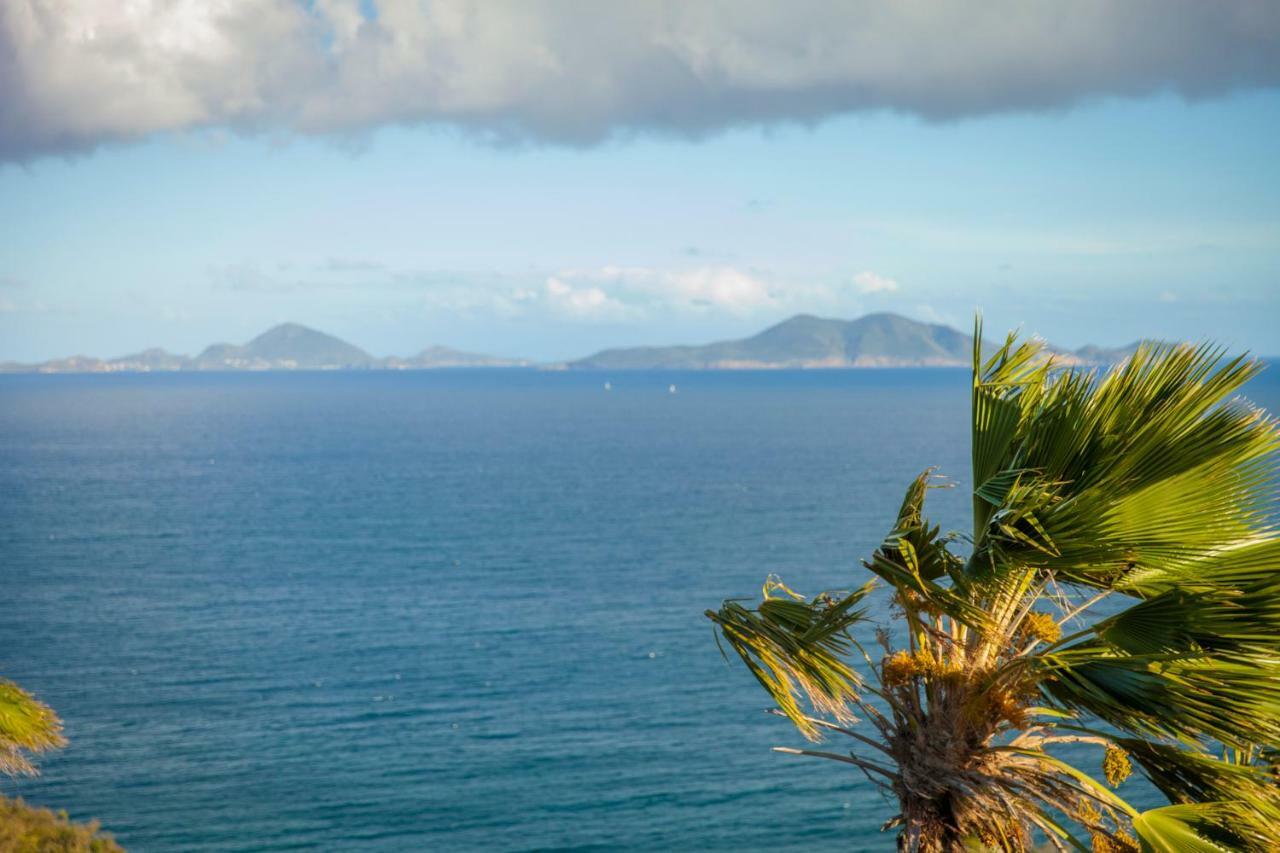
{"x":288,"y":346}
{"x":803,"y":341}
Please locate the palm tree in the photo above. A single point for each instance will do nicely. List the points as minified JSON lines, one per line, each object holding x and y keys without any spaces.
{"x":1121,"y":590}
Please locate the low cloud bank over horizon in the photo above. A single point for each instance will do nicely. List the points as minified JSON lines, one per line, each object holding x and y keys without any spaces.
{"x":610,"y":295}
{"x":76,"y":74}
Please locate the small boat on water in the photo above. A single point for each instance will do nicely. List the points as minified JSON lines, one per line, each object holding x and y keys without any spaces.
{"x":671,"y":389}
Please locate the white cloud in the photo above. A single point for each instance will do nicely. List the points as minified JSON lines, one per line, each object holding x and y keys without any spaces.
{"x":697,"y":288}
{"x":695,"y":291}
{"x":585,"y":303}
{"x":925,"y":312}
{"x":471,"y":299}
{"x":78,"y":73}
{"x":719,"y":287}
{"x":1168,"y":296}
{"x":869,"y":282}
{"x":611,"y":293}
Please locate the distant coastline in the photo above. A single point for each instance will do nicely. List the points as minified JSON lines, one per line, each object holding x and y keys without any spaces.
{"x":289,"y":346}
{"x":803,"y":342}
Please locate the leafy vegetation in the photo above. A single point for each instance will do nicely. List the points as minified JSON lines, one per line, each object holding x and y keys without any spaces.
{"x":25,"y":829}
{"x":28,"y":726}
{"x":1152,"y":487}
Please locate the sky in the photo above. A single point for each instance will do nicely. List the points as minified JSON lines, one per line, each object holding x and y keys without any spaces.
{"x":529,"y":179}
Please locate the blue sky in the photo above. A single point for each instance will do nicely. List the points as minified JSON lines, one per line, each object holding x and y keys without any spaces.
{"x":1099,"y":221}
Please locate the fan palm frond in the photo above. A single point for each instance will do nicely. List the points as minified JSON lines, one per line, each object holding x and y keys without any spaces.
{"x":26,"y":726}
{"x":795,"y":648}
{"x":1154,"y":483}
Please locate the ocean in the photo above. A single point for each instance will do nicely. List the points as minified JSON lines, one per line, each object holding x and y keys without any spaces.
{"x":449,"y":610}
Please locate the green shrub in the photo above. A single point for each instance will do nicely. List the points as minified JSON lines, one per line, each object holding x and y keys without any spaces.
{"x":27,"y":829}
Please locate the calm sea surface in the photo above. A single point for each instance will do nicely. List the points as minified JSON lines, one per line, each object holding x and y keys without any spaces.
{"x":445,"y":610}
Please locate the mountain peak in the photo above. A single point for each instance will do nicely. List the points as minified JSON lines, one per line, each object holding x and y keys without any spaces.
{"x":288,"y":328}
{"x":288,"y":345}
{"x":806,"y":340}
{"x":801,"y":319}
{"x":290,"y":332}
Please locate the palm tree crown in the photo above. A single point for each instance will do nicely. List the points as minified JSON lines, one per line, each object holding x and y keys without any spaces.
{"x":1151,"y":485}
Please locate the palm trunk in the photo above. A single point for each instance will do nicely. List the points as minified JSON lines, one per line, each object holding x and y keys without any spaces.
{"x":929,"y":827}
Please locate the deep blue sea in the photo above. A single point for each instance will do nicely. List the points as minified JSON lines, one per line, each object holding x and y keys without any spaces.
{"x":443,"y":610}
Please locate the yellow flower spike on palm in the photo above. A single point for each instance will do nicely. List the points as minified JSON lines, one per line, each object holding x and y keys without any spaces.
{"x":924,"y":663}
{"x":1041,"y":627}
{"x":897,"y":669}
{"x":1120,"y":842}
{"x":1086,"y":812}
{"x":1115,"y":765}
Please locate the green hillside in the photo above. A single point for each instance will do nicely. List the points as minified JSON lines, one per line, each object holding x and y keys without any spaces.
{"x":807,"y":341}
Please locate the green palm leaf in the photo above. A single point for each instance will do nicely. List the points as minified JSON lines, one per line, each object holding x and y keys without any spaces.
{"x":1154,"y":483}
{"x":795,"y":648}
{"x":1200,"y":828}
{"x":1200,"y":620}
{"x":26,"y":726}
{"x":1187,"y":776}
